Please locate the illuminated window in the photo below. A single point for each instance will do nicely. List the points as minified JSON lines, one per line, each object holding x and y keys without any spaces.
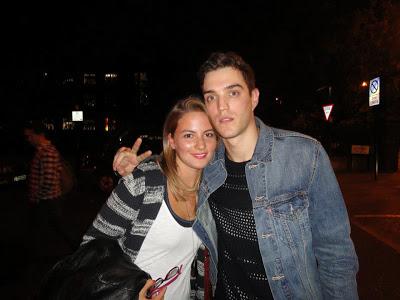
{"x":89,"y":125}
{"x":67,"y":124}
{"x":89,"y":79}
{"x":110,"y":76}
{"x":142,"y":84}
{"x":141,"y":79}
{"x":89,"y":100}
{"x":49,"y":126}
{"x":144,"y":98}
{"x":68,"y":79}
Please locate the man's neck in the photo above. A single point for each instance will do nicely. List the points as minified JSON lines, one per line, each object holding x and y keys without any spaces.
{"x":43,"y":142}
{"x":241,"y":148}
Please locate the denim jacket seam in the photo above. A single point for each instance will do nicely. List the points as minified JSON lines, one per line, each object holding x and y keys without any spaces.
{"x":314,"y":165}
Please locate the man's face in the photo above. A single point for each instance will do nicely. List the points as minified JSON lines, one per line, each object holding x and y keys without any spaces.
{"x":31,"y":137}
{"x":229,"y":102}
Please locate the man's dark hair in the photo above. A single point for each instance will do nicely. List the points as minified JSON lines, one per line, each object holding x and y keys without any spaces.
{"x":36,"y":126}
{"x":219,"y":60}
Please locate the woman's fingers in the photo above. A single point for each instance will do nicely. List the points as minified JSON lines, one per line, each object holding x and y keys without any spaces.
{"x":143,"y":291}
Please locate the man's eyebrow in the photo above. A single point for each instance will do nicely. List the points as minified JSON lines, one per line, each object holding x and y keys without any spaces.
{"x":229,"y":87}
{"x":232,"y":86}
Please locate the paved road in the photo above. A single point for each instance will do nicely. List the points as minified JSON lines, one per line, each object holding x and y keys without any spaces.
{"x":372,"y":205}
{"x":374,"y":210}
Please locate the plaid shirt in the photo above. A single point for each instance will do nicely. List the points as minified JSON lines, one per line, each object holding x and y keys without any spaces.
{"x":45,"y":174}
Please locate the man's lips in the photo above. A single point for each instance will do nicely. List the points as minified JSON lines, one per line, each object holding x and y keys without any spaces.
{"x":225,"y":119}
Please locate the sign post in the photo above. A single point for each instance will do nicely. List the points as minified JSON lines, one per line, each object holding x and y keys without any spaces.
{"x":374,"y":100}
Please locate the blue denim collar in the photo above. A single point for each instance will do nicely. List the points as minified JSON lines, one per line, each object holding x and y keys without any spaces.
{"x":264,"y":146}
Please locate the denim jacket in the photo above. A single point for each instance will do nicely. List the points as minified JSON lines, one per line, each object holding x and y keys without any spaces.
{"x":301,"y":219}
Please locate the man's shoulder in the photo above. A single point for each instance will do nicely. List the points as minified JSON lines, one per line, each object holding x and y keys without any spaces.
{"x":293,"y":137}
{"x":284,"y":135}
{"x":49,"y":150}
{"x":280,"y":133}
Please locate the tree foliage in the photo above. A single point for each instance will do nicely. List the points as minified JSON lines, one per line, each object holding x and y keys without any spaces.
{"x":367,"y":47}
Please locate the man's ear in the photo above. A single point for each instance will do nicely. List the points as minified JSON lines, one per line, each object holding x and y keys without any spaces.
{"x":255,"y":93}
{"x":171,"y":141}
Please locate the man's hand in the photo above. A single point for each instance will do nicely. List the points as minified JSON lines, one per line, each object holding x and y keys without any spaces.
{"x":142,"y":293}
{"x":126,"y":159}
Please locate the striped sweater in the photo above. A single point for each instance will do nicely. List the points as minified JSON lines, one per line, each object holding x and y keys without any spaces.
{"x":45,"y":174}
{"x":130,"y":211}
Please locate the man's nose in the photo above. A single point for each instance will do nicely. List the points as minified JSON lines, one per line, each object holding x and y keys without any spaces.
{"x":222,"y":103}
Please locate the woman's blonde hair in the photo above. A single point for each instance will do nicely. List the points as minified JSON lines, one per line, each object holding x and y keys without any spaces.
{"x":168,"y":158}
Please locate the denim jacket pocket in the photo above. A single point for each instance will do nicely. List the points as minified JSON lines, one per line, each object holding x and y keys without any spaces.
{"x":291,"y":219}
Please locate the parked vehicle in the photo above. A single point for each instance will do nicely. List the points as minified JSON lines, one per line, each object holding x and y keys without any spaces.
{"x":15,"y":156}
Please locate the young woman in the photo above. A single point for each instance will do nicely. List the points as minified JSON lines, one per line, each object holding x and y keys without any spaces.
{"x":151,"y":211}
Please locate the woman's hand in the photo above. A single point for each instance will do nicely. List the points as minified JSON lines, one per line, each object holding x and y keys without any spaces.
{"x":143,"y":291}
{"x":126,"y":159}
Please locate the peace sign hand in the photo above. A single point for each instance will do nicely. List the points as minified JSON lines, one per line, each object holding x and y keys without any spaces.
{"x":126,"y":159}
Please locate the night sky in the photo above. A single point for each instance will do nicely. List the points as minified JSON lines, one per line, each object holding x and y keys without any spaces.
{"x":280,"y":39}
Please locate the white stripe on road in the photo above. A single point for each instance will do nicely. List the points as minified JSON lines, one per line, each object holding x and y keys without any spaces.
{"x":374,"y":231}
{"x":377,"y":216}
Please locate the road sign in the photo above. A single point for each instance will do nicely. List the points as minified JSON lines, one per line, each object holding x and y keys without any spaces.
{"x":374,"y":91}
{"x":327,"y":110}
{"x":360,"y":149}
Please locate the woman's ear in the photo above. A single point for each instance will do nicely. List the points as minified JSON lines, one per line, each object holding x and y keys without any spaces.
{"x":171,"y":141}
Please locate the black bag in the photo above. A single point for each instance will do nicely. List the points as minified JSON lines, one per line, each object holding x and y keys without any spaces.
{"x":97,"y":270}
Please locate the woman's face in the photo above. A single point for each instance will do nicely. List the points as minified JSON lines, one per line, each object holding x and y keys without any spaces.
{"x":194,"y":141}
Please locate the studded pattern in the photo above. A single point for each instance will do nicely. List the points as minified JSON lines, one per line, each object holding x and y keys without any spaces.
{"x":241,"y":274}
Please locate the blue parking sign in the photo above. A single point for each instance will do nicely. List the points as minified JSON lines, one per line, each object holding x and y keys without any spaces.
{"x":374,"y":91}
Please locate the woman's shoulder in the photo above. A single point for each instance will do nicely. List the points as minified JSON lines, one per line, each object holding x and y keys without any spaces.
{"x":150,"y":164}
{"x":147,"y":177}
{"x":147,"y":172}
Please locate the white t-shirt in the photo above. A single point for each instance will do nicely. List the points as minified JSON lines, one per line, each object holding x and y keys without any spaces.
{"x":166,"y":245}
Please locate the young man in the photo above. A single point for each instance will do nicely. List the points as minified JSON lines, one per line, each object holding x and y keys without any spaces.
{"x":45,"y":173}
{"x":270,"y":209}
{"x":44,"y":190}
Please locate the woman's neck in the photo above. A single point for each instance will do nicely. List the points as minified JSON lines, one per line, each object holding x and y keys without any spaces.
{"x":189,"y":178}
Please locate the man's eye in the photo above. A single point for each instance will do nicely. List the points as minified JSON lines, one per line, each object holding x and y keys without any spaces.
{"x":234,"y":93}
{"x":187,"y":135}
{"x":210,"y":98}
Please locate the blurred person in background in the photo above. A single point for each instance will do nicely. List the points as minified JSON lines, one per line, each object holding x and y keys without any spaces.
{"x":44,"y":186}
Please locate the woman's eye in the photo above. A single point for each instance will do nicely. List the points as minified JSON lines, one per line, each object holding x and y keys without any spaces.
{"x":210,"y":134}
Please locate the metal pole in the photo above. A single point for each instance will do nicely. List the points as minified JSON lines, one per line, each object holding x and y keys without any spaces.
{"x":376,"y":143}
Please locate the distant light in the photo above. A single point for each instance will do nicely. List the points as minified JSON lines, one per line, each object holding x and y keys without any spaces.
{"x":111,"y":75}
{"x":106,"y":125}
{"x":77,"y":115}
{"x":364,"y":84}
{"x":19,"y":178}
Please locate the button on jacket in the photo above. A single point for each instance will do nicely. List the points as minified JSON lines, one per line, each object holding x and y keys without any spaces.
{"x":301,"y":219}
